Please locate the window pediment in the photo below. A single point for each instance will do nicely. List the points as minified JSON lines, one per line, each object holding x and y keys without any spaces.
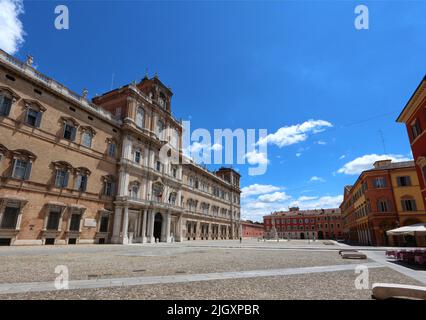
{"x":24,"y":154}
{"x":70,"y":120}
{"x":9,"y":92}
{"x":83,"y":171}
{"x":29,"y":103}
{"x":88,"y":129}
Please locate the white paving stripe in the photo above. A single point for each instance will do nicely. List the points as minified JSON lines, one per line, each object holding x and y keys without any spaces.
{"x":8,"y":288}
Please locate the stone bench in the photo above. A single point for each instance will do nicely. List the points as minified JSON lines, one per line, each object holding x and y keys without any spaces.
{"x":382,"y":291}
{"x":347,"y":250}
{"x":353,"y":255}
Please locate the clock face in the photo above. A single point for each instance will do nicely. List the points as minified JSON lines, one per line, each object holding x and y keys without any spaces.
{"x":157,"y":189}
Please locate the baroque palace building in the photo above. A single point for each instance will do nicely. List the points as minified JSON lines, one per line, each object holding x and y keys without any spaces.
{"x":79,"y":171}
{"x":383,"y":198}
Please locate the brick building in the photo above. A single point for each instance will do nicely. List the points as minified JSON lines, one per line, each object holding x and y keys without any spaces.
{"x":304,"y":224}
{"x":79,"y":171}
{"x":414,"y":117}
{"x":250,"y":229}
{"x":382,"y":198}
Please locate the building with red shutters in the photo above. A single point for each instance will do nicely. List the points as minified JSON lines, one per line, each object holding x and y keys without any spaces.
{"x":250,"y":229}
{"x":304,"y":224}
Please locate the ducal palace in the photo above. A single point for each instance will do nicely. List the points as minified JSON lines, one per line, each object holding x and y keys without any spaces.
{"x":79,"y":171}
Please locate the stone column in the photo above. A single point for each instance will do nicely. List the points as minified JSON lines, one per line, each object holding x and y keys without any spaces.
{"x":178,"y":236}
{"x":144,"y":225}
{"x":125,"y":225}
{"x":151,"y":217}
{"x":116,"y":225}
{"x":168,"y":222}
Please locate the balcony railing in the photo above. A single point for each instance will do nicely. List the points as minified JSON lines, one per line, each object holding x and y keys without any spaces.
{"x":55,"y":86}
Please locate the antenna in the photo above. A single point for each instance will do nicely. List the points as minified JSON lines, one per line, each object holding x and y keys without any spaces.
{"x":383,"y":140}
{"x":112,"y":81}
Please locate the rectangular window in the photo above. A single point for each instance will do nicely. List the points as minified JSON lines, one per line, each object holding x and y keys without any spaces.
{"x":109,"y":188}
{"x":81,"y":183}
{"x":21,"y":169}
{"x":380,"y":182}
{"x":403,"y":181}
{"x":61,"y":179}
{"x":33,"y":117}
{"x":75,"y":222}
{"x":409,"y":205}
{"x":5,"y":104}
{"x":416,"y":129}
{"x":104,"y":224}
{"x":158,"y":166}
{"x":10,"y":217}
{"x":137,"y":156}
{"x":53,"y":219}
{"x":382,"y":206}
{"x":111,"y":150}
{"x":69,"y":132}
{"x":87,"y":139}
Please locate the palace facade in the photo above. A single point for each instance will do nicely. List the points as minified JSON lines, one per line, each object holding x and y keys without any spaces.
{"x":304,"y":224}
{"x":102,"y":171}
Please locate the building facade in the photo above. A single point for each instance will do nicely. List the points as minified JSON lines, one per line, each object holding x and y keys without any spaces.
{"x":383,"y":198}
{"x":414,"y":117}
{"x":101,"y":171}
{"x":250,"y":229}
{"x":304,"y":224}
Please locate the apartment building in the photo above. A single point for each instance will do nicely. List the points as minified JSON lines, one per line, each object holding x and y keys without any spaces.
{"x":382,"y":198}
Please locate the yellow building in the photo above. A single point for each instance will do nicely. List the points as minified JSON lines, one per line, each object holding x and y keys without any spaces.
{"x":406,"y":188}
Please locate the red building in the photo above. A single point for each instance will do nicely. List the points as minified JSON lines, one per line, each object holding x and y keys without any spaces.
{"x":304,"y":224}
{"x":414,"y":117}
{"x":250,"y":229}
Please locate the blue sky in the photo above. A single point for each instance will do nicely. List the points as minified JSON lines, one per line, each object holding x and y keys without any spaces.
{"x":279,"y":64}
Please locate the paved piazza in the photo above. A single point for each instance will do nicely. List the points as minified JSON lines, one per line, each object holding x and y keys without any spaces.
{"x":196,"y":270}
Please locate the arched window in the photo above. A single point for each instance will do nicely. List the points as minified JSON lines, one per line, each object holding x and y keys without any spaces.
{"x":87,"y":136}
{"x":172,"y":198}
{"x":62,"y":173}
{"x":70,"y":129}
{"x":82,"y":179}
{"x":140,"y":116}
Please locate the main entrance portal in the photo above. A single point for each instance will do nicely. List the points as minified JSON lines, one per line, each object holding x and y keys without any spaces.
{"x":158,"y":222}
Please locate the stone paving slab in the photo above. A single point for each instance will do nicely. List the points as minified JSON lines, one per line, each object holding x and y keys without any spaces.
{"x":105,"y":283}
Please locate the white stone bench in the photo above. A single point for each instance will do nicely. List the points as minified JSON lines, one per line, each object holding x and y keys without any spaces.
{"x":353,"y":255}
{"x":347,"y":250}
{"x":382,"y":291}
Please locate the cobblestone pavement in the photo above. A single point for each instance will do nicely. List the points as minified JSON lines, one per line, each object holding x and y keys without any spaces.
{"x":37,"y":264}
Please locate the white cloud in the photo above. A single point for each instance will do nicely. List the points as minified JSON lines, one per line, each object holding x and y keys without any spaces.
{"x":306,"y":198}
{"x":256,"y":189}
{"x":255,"y":157}
{"x":324,"y":202}
{"x":286,"y":136}
{"x":322,"y":143}
{"x":274,"y":197}
{"x":11,"y":28}
{"x":298,"y":154}
{"x":365,"y":162}
{"x":316,"y":178}
{"x":342,"y":157}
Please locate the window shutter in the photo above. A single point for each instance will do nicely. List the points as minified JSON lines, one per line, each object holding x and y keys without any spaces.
{"x":28,"y":171}
{"x":78,"y":182}
{"x":65,"y":184}
{"x":73,"y":133}
{"x":38,"y":119}
{"x":14,"y":167}
{"x":408,"y":181}
{"x":413,"y":203}
{"x":7,"y":103}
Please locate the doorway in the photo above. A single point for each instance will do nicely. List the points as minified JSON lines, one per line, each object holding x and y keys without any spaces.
{"x":302,"y":235}
{"x":158,"y":222}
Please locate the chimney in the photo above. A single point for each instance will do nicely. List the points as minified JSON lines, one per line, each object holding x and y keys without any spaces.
{"x":382,"y":163}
